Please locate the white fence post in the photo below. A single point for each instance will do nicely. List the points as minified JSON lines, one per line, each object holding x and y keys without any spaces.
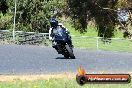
{"x":97,"y":43}
{"x":14,"y":25}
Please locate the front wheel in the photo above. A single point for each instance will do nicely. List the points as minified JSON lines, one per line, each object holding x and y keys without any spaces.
{"x":70,"y":51}
{"x":66,"y":56}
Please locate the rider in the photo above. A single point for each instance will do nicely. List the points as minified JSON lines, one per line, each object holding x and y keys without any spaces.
{"x":54,"y":26}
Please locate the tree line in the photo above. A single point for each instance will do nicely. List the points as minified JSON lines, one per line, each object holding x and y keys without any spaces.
{"x":34,"y":15}
{"x":31,"y":15}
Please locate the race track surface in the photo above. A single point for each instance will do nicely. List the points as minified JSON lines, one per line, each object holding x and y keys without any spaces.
{"x":24,"y":59}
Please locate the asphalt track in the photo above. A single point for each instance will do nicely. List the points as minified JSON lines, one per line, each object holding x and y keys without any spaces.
{"x":25,"y":59}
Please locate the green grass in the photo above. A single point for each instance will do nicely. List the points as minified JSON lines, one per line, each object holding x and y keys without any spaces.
{"x":91,"y":43}
{"x":117,"y":45}
{"x":84,"y":42}
{"x":58,"y":83}
{"x":91,"y":31}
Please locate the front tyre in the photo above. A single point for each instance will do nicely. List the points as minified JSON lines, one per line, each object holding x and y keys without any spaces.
{"x":66,"y":56}
{"x":70,"y":51}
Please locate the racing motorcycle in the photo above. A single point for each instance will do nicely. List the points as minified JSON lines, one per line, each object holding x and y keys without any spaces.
{"x":62,"y":43}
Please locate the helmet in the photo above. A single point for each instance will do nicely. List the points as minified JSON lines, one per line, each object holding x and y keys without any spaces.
{"x":53,"y":22}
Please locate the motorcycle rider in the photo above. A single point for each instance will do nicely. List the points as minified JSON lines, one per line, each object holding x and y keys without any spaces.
{"x":54,"y":26}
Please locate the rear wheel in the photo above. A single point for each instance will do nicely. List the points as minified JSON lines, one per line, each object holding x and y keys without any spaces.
{"x":70,"y":51}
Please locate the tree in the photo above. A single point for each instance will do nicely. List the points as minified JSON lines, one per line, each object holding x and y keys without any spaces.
{"x":33,"y":15}
{"x":103,"y":12}
{"x":3,"y":6}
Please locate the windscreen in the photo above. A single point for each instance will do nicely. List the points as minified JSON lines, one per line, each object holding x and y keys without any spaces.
{"x":60,"y":34}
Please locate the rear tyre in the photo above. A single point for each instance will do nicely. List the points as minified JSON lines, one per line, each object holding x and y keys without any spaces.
{"x":70,"y":51}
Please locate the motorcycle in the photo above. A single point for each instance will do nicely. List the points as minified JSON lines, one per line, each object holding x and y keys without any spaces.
{"x":62,"y":43}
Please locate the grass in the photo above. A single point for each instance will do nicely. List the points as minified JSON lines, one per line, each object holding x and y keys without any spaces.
{"x":57,"y":83}
{"x":91,"y":43}
{"x":117,"y":45}
{"x":90,"y":31}
{"x":84,"y":42}
{"x":66,"y":80}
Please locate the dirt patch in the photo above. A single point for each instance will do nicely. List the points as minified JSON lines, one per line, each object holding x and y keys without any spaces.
{"x":35,"y":77}
{"x":7,"y":78}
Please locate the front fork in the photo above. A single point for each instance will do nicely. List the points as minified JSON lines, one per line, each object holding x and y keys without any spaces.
{"x":57,"y":47}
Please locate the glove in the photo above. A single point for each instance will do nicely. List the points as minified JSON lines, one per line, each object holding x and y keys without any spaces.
{"x":50,"y":38}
